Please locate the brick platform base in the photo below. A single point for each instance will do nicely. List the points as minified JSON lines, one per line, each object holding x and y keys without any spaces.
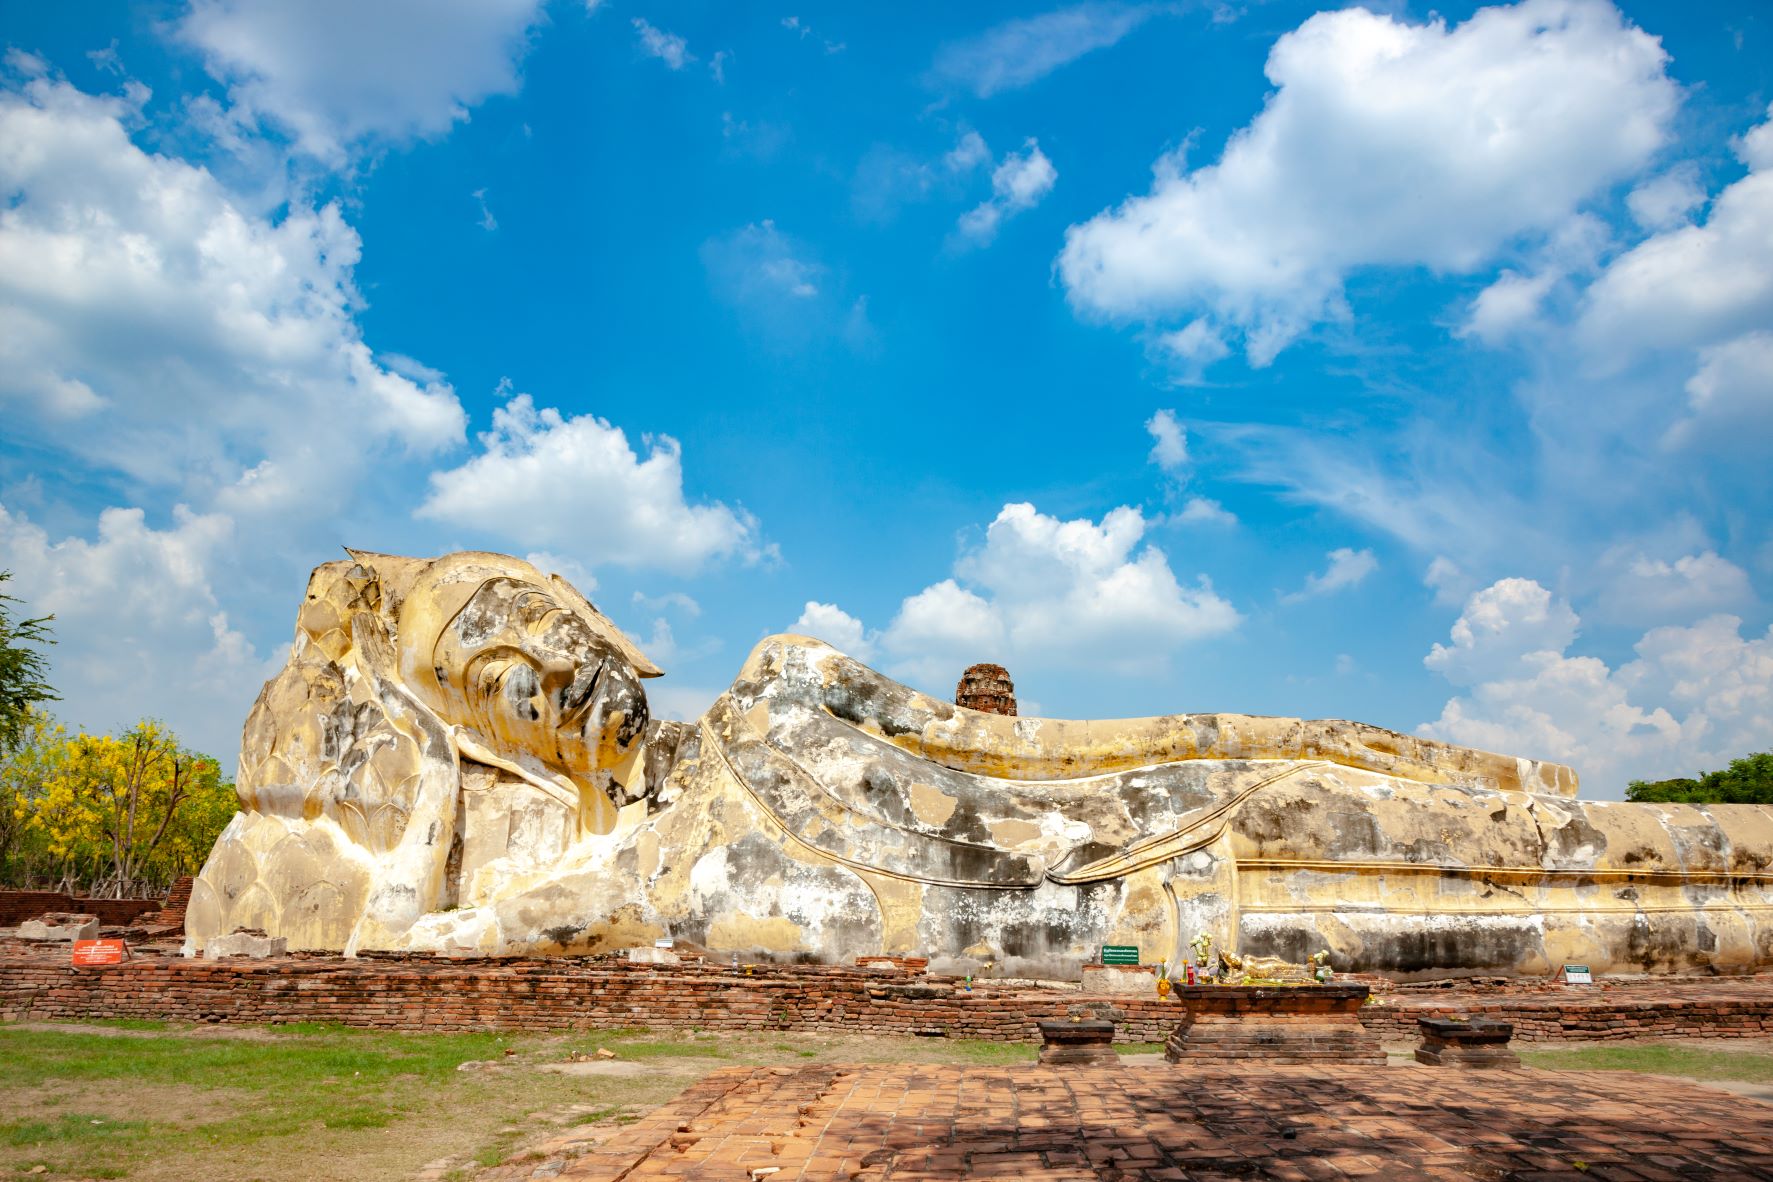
{"x":1312,"y":1025}
{"x":907,"y":1123}
{"x":420,"y":993}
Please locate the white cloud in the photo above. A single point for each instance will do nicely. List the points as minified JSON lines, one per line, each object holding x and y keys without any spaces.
{"x":1169,"y":451}
{"x":1504,"y":625}
{"x":943,"y":629}
{"x":1636,"y":588}
{"x":1664,"y":201}
{"x":1206,"y":511}
{"x":1193,"y":348}
{"x":1451,"y":584}
{"x":836,"y":627}
{"x":1018,"y":52}
{"x":667,"y":47}
{"x":138,"y":629}
{"x":1055,"y":594}
{"x":782,"y":292}
{"x":1017,"y":184}
{"x":335,"y":75}
{"x":575,"y":485}
{"x":1695,"y":697}
{"x":1512,"y":301}
{"x":803,"y":30}
{"x":888,"y":178}
{"x":487,"y":220}
{"x":1348,"y":568}
{"x":969,"y":151}
{"x":1695,"y":285}
{"x":1169,"y":448}
{"x":216,"y":343}
{"x":1383,"y":144}
{"x":1730,"y":398}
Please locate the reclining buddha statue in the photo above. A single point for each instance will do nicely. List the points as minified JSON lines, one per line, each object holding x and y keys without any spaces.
{"x":458,"y":758}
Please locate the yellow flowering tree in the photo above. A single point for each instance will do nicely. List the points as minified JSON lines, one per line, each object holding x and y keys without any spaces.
{"x":115,"y":814}
{"x":25,"y":770}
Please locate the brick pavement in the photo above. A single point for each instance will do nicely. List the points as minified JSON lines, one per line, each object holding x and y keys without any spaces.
{"x":921,"y":1123}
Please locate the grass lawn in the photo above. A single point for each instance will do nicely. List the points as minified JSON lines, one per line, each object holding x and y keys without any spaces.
{"x":1660,"y":1058}
{"x":153,"y":1101}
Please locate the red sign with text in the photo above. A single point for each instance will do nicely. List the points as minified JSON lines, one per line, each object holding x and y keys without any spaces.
{"x":91,"y":952}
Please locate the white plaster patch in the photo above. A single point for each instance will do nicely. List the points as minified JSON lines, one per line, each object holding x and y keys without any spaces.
{"x":710,"y":877}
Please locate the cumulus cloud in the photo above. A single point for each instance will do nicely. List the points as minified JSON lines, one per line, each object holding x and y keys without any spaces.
{"x":1018,"y":52}
{"x":1383,"y":144}
{"x":575,"y":485}
{"x":1017,"y":184}
{"x":1703,"y":291}
{"x":334,"y":75}
{"x":1695,"y":697}
{"x":1506,"y":623}
{"x":836,"y":627}
{"x":943,"y":629}
{"x":1044,"y":592}
{"x":667,"y":47}
{"x":135,"y":608}
{"x":1348,"y":568}
{"x":1637,"y":588}
{"x":199,"y":348}
{"x":1694,"y":285}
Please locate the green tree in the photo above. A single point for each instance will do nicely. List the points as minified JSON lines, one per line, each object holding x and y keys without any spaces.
{"x":23,"y":669}
{"x":1748,"y":780}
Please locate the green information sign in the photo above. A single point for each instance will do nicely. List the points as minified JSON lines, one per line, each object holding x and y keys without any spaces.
{"x":1120,"y":954}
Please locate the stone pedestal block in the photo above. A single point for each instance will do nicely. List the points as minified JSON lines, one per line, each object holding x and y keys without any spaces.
{"x":254,"y":944}
{"x":1273,"y":1024}
{"x":1451,"y":1042}
{"x":1120,"y":978}
{"x":1066,"y":1044}
{"x":60,"y":925}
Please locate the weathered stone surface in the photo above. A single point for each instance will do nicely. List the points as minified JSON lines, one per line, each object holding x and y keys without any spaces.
{"x":256,"y":945}
{"x":60,"y":925}
{"x":458,"y":759}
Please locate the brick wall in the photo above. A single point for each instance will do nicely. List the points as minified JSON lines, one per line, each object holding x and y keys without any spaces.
{"x":592,"y":992}
{"x":18,"y":906}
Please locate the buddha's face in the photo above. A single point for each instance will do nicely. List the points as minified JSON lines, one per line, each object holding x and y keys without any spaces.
{"x":533,"y":676}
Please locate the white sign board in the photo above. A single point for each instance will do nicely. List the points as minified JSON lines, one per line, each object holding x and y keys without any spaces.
{"x":1577,"y":974}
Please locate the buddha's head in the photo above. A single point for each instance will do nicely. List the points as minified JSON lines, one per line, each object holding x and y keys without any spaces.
{"x":531,"y":675}
{"x":405,"y":666}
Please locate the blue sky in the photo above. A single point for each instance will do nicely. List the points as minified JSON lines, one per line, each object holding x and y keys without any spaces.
{"x":1401,"y":364}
